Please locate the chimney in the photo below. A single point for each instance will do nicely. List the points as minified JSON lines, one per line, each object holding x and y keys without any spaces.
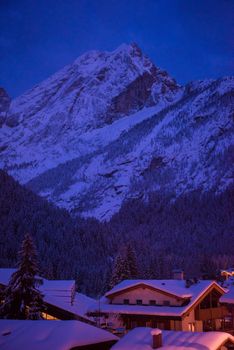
{"x":156,"y":338}
{"x":178,"y":274}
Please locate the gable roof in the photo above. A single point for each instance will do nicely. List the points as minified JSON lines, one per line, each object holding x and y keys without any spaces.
{"x":47,"y":335}
{"x":58,"y":285}
{"x":80,"y":306}
{"x":173,"y":287}
{"x":196,"y":291}
{"x":48,"y":285}
{"x":141,"y":339}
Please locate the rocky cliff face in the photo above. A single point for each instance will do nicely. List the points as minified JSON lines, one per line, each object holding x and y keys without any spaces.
{"x":98,"y":88}
{"x":113,"y":126}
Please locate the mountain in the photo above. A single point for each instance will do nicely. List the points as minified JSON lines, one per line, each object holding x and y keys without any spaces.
{"x":112,"y":127}
{"x":4,"y":105}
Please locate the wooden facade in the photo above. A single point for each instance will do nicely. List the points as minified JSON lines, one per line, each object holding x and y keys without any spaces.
{"x":204,"y":314}
{"x":132,"y":321}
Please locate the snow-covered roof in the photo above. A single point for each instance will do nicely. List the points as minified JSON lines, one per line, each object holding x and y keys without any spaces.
{"x":48,"y":285}
{"x":47,"y":335}
{"x":141,"y":339}
{"x":54,"y":285}
{"x":228,"y":297}
{"x":176,"y":287}
{"x":58,"y":293}
{"x":138,"y":310}
{"x":230,"y":270}
{"x":80,"y":306}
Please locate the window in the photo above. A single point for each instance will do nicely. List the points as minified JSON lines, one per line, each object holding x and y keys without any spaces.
{"x":166,"y":302}
{"x":139,"y":302}
{"x":126,"y":301}
{"x":191,"y":327}
{"x":152,"y":302}
{"x":48,"y":317}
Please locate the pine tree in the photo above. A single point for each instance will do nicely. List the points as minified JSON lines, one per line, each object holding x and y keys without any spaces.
{"x":120,"y":270}
{"x":125,"y":266}
{"x":22,"y":299}
{"x":131,"y":261}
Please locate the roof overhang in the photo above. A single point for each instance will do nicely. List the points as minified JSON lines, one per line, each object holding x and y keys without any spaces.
{"x":111,"y":295}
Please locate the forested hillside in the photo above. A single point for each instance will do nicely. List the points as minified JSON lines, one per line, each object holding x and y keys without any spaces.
{"x":196,"y":233}
{"x":67,"y":248}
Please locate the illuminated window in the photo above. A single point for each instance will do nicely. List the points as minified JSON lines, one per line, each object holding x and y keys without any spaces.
{"x":48,"y":317}
{"x":191,"y":327}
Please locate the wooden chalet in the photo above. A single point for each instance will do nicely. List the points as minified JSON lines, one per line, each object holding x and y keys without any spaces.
{"x":166,"y":304}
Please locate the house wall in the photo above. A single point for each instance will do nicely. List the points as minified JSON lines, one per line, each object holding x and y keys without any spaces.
{"x":133,"y":321}
{"x":176,"y":325}
{"x":198,"y":326}
{"x":189,"y":323}
{"x":145,"y":294}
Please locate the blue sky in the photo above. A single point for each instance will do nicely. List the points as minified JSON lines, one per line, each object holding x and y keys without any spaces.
{"x":191,"y":39}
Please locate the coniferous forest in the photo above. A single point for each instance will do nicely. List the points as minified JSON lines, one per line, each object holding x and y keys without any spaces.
{"x":164,"y":235}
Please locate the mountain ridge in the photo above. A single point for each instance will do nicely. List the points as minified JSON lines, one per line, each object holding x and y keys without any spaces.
{"x":134,"y":131}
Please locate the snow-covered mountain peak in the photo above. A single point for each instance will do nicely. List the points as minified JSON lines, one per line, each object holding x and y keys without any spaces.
{"x":98,"y":88}
{"x":124,"y":60}
{"x":112,"y":126}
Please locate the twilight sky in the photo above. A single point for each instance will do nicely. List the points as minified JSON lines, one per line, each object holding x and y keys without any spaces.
{"x":191,"y":39}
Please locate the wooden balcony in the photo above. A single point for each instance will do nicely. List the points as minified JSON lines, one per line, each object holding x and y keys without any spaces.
{"x":211,"y":313}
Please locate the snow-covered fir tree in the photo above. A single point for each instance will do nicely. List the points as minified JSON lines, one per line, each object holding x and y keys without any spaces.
{"x":125,"y":266}
{"x":131,"y":261}
{"x":21,"y":298}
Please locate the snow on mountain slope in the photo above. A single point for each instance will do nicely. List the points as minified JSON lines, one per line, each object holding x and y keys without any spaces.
{"x":112,"y":126}
{"x":97,"y":89}
{"x":4,"y":105}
